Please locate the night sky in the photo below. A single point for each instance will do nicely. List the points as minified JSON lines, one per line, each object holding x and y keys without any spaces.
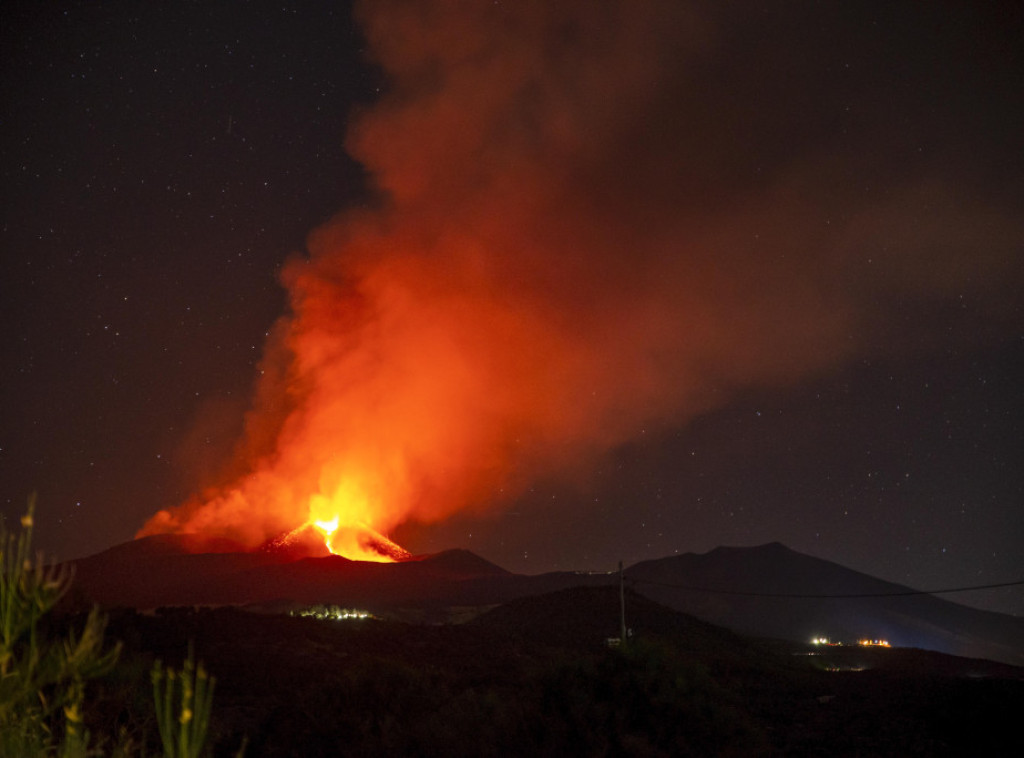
{"x":830,"y":196}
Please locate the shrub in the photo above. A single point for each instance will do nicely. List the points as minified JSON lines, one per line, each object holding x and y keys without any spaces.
{"x":42,"y":682}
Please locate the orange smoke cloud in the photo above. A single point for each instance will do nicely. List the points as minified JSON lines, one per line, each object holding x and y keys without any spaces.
{"x":560,"y":257}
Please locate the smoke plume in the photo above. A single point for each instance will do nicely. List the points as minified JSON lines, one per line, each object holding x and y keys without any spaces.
{"x":591,"y":219}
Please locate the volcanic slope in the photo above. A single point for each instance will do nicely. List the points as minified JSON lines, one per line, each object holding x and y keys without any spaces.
{"x":773,"y":591}
{"x":750,"y":590}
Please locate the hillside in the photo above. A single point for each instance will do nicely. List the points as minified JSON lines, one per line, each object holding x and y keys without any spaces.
{"x":757,"y":591}
{"x":535,"y":677}
{"x":766,"y":591}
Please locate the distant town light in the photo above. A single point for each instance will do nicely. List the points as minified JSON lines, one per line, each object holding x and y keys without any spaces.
{"x":333,"y":613}
{"x":824,"y":641}
{"x":865,"y":642}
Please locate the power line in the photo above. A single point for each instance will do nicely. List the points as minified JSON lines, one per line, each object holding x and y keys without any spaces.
{"x":902,"y":593}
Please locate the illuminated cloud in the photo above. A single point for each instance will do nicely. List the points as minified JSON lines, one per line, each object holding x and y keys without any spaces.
{"x":591,"y":220}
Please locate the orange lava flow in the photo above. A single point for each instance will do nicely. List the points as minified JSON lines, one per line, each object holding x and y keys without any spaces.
{"x":358,"y":542}
{"x":340,"y":522}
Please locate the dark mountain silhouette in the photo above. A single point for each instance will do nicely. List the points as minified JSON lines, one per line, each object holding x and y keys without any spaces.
{"x":743,"y":589}
{"x":746,"y":589}
{"x":578,"y":616}
{"x":462,"y":563}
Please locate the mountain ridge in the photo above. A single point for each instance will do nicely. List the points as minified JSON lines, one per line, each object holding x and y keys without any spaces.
{"x":768,"y":591}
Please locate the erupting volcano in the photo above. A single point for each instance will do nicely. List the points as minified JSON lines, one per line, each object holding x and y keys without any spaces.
{"x":559,"y":254}
{"x":354,"y":541}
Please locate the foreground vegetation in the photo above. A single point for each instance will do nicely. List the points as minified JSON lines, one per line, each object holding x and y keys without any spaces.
{"x":533,"y":677}
{"x":536,"y":678}
{"x":45,"y":673}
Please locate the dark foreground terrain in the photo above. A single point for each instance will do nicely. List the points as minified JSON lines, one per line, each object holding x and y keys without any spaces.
{"x":537,"y":677}
{"x":764,"y":591}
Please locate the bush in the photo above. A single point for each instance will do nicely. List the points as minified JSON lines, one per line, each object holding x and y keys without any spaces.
{"x":42,"y":682}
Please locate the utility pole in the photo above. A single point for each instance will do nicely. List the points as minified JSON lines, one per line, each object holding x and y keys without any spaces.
{"x":622,"y":605}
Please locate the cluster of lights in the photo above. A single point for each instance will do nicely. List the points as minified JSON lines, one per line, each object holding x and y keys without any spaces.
{"x":332,"y":613}
{"x":863,"y":643}
{"x":874,"y":643}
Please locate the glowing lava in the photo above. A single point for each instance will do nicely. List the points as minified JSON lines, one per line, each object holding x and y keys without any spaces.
{"x":344,"y":520}
{"x":359,"y":542}
{"x":356,"y":541}
{"x":327,"y":527}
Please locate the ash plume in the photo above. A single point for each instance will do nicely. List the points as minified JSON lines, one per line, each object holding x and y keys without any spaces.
{"x":591,"y":219}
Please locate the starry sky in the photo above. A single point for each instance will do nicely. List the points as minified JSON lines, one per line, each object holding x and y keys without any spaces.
{"x":857,"y":175}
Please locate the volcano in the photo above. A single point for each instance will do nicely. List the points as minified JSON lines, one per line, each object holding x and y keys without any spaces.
{"x":767,"y":591}
{"x":318,"y":540}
